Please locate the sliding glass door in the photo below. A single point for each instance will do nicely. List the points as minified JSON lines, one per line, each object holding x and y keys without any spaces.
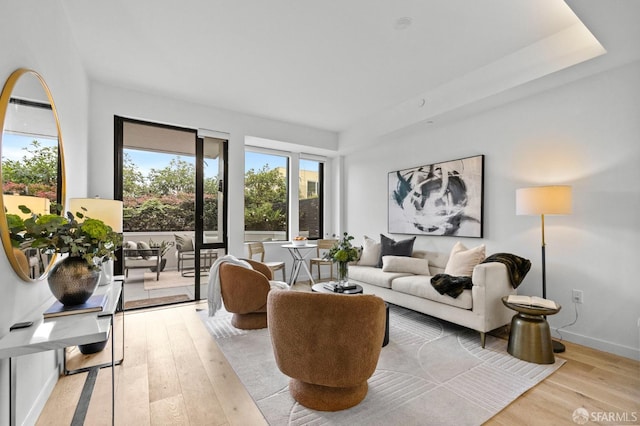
{"x":211,"y":218}
{"x":171,"y":181}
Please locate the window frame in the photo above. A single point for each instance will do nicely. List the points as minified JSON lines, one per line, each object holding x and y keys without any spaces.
{"x":293,"y":187}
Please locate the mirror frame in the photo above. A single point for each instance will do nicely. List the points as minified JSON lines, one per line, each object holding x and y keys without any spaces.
{"x":5,"y":98}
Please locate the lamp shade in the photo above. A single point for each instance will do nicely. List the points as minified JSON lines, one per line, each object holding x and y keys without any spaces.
{"x":108,"y":211}
{"x":545,"y":200}
{"x":37,"y":205}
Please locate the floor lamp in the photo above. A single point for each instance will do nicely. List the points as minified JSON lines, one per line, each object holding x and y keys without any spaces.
{"x":544,"y":200}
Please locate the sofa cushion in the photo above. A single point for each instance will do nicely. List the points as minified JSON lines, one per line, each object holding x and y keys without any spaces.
{"x":183,"y":242}
{"x":462,"y":260}
{"x":374,"y":276}
{"x":131,"y":246}
{"x":437,"y":260}
{"x":144,"y":250}
{"x":420,"y":286}
{"x":370,"y":252}
{"x":391,"y":247}
{"x":411,"y":265}
{"x":140,"y":262}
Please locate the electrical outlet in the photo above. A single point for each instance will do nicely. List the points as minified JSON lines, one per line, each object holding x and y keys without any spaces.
{"x":576,"y":296}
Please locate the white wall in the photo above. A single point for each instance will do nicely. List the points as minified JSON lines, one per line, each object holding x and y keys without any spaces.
{"x":585,"y":134}
{"x":107,"y":101}
{"x":35,"y":35}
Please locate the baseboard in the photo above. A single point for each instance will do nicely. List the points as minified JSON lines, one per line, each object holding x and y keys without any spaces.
{"x":601,"y":345}
{"x":43,"y":397}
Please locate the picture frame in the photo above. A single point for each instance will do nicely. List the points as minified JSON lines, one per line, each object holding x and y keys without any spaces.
{"x":445,"y":199}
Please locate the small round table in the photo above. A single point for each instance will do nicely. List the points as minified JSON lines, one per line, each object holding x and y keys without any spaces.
{"x":530,"y":336}
{"x":298,"y":260}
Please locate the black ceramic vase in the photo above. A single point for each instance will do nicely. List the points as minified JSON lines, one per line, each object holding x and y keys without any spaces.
{"x":72,"y":281}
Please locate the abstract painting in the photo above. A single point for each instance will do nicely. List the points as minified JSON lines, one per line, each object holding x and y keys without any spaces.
{"x":438,"y":199}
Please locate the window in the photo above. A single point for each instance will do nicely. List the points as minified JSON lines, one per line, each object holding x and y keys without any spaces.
{"x":158,"y":191}
{"x":266,"y":196}
{"x":310,"y":201}
{"x":271,"y":195}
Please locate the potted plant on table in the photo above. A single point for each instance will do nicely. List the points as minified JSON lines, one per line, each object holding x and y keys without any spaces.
{"x":86,"y":242}
{"x":342,"y":253}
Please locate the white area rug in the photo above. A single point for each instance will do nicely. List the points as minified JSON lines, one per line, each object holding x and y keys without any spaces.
{"x":431,"y":372}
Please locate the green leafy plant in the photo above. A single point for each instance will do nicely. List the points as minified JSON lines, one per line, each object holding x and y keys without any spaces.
{"x":343,"y":250}
{"x":75,"y":235}
{"x":163,"y":245}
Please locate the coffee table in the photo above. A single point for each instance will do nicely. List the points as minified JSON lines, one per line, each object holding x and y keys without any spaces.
{"x":320,"y":288}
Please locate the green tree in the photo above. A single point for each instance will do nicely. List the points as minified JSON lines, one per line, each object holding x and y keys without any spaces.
{"x":265,"y":200}
{"x":133,"y":182}
{"x":178,"y":177}
{"x":38,"y":166}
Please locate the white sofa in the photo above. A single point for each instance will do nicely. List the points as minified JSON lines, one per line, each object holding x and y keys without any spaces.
{"x":479,"y":308}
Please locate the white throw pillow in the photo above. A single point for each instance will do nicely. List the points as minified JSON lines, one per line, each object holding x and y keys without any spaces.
{"x":462,"y":260}
{"x":370,"y":252}
{"x":410,"y":265}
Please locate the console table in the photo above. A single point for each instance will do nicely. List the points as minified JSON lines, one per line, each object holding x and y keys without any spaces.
{"x":61,"y":332}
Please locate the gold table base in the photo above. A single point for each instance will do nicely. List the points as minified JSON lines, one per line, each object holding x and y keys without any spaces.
{"x":530,"y":336}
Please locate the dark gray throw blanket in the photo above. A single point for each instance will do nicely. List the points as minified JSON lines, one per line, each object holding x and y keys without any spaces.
{"x":453,"y":286}
{"x":517,"y":268}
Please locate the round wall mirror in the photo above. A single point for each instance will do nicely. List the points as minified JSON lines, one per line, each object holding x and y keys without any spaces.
{"x":32,"y":165}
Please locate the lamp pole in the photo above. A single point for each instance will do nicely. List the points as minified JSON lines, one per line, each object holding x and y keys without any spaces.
{"x":558,"y":347}
{"x":544,"y":261}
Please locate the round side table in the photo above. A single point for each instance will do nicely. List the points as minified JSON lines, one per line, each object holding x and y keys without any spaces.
{"x":530,"y":336}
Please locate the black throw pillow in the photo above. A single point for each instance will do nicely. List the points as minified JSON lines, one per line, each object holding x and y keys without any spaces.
{"x":391,"y":247}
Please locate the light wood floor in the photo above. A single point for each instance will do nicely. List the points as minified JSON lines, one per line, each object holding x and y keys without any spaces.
{"x":174,"y":373}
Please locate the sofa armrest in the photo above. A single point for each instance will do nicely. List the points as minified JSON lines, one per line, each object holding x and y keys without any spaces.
{"x":485,"y":274}
{"x":490,"y":284}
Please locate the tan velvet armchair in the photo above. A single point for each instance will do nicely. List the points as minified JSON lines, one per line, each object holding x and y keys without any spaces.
{"x":244,"y":293}
{"x":328,"y":344}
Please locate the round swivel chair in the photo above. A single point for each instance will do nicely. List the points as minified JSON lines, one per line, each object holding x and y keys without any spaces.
{"x":328,"y":344}
{"x":244,"y":292}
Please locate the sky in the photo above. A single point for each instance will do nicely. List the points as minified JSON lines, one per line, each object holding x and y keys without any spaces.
{"x":13,"y":144}
{"x":12,"y":149}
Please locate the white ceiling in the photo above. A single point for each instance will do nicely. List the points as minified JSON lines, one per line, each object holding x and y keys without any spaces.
{"x":327,"y":64}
